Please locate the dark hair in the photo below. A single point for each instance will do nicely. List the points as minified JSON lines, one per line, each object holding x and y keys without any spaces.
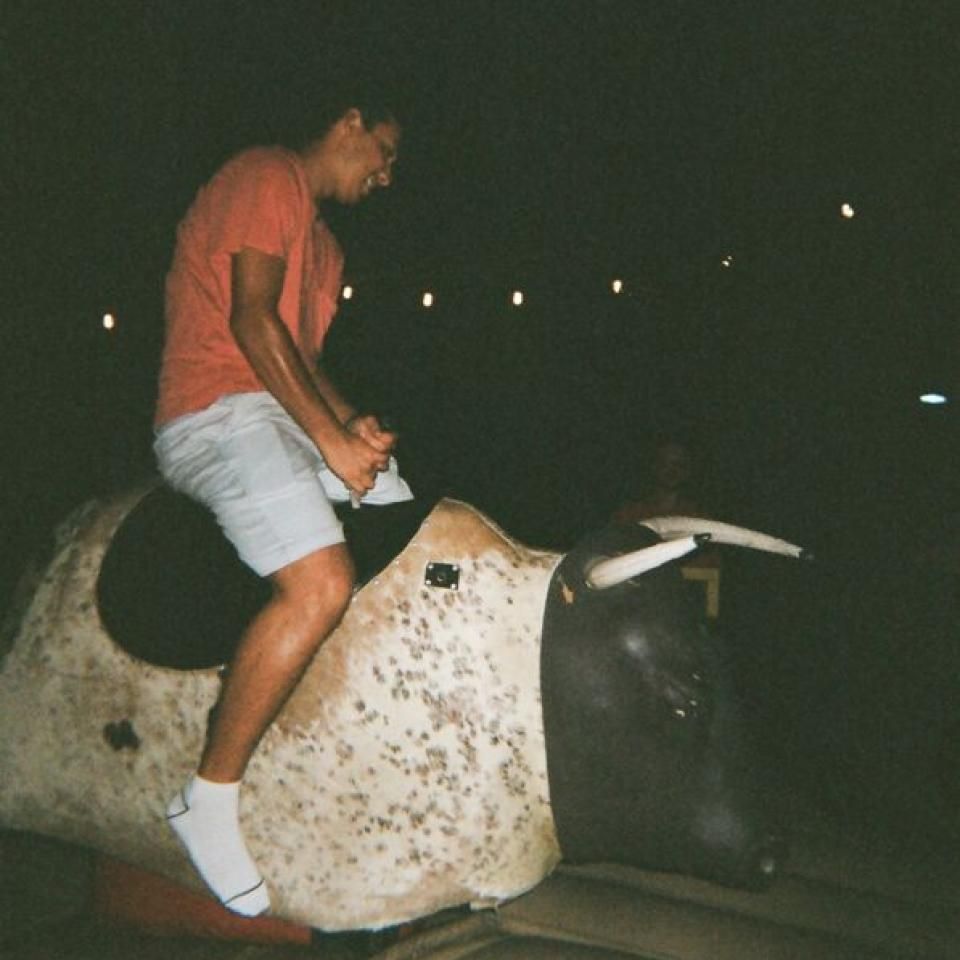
{"x":307,"y":114}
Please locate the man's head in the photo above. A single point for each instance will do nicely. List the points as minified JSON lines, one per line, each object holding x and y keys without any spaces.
{"x":353,"y":156}
{"x":364,"y":150}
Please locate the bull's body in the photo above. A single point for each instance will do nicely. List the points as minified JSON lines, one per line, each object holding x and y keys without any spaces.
{"x":409,"y":770}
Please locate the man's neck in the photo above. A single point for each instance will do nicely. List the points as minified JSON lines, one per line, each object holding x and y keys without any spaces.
{"x":317,"y":162}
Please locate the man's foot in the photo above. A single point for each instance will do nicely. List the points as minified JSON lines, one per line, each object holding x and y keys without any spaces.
{"x":204,"y":816}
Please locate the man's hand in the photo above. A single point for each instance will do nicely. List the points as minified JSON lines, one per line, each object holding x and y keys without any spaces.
{"x":357,"y":462}
{"x":368,"y":427}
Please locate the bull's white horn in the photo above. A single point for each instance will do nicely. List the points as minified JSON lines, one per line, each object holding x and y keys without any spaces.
{"x":672,"y":527}
{"x":609,"y":572}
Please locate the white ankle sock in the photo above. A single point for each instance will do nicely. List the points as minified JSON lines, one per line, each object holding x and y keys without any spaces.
{"x":204,"y":815}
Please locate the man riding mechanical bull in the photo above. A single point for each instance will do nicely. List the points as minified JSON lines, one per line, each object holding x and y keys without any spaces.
{"x":249,"y":424}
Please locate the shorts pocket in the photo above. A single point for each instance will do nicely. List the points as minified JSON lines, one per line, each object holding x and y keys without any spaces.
{"x":266,"y":461}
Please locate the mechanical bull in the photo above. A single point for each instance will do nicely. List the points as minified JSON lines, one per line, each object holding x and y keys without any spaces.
{"x":483,"y":710}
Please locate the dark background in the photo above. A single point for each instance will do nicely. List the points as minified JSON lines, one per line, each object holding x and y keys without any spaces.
{"x":552,"y":147}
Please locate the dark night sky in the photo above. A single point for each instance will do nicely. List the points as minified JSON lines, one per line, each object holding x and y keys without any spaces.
{"x":550,"y":146}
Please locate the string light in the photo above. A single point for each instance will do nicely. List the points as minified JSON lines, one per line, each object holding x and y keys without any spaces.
{"x":109,"y":321}
{"x":847,"y":211}
{"x":617,"y":286}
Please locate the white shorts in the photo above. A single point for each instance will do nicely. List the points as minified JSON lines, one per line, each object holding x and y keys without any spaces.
{"x":263,"y":478}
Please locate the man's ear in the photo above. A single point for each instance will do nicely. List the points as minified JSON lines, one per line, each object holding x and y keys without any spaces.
{"x":353,"y":119}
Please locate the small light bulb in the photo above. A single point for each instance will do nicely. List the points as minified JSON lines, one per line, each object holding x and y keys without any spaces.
{"x":109,"y":321}
{"x":428,"y":299}
{"x":347,"y":292}
{"x":933,"y":398}
{"x":847,"y":211}
{"x":617,"y":286}
{"x":517,"y":298}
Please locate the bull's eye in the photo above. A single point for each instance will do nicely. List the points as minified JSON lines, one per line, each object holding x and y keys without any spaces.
{"x":690,"y":711}
{"x":680,"y":701}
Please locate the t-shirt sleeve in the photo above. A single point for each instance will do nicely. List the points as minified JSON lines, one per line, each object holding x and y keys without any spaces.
{"x":255,"y":204}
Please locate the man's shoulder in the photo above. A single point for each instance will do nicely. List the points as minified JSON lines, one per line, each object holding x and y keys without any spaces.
{"x":263,"y":162}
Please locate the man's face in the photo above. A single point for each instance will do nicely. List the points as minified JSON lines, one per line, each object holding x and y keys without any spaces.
{"x":369,"y":158}
{"x":672,"y":466}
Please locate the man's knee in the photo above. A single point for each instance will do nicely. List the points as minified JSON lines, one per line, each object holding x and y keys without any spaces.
{"x":319,"y":585}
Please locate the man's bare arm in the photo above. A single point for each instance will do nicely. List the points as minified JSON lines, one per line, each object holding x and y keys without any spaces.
{"x":366,"y":426}
{"x":330,"y":392}
{"x":256,"y":283}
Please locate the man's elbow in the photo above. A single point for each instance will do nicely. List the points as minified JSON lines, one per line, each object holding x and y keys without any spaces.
{"x":248,"y":324}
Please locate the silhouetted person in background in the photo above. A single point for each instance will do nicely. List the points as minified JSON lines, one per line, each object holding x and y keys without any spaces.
{"x":671,"y":489}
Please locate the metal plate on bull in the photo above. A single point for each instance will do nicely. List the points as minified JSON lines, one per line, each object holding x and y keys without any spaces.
{"x":443,"y":575}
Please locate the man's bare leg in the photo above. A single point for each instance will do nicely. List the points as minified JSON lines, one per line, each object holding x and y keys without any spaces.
{"x":310,"y":596}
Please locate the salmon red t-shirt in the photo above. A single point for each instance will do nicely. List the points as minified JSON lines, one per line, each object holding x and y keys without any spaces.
{"x":260,"y":199}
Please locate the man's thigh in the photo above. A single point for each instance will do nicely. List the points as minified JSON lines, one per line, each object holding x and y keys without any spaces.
{"x":258,"y":472}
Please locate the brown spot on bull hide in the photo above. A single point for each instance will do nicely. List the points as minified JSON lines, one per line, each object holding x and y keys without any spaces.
{"x":121,"y":735}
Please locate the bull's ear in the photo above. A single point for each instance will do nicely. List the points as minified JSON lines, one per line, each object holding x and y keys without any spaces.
{"x":671,"y":528}
{"x":610,"y":571}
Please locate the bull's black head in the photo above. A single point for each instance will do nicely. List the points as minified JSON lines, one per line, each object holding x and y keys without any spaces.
{"x":647,"y":758}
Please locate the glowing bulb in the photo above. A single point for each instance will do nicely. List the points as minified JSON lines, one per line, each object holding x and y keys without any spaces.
{"x":517,"y":298}
{"x":617,"y":286}
{"x":727,"y":261}
{"x":109,"y":321}
{"x":933,"y":398}
{"x":428,"y":299}
{"x":347,"y":292}
{"x":847,"y":211}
